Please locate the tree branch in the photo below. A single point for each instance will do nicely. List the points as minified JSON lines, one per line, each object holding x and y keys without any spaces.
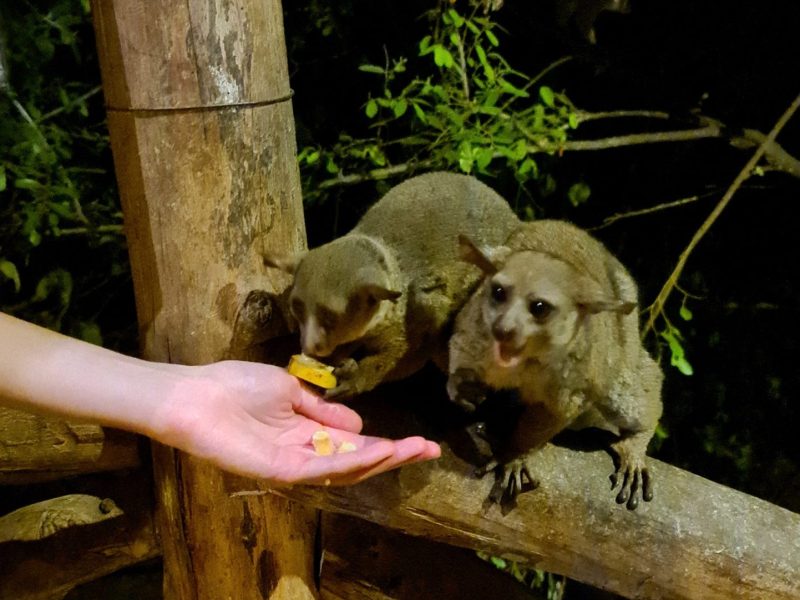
{"x":374,"y":174}
{"x":645,"y":211}
{"x":776,"y":157}
{"x":657,"y":308}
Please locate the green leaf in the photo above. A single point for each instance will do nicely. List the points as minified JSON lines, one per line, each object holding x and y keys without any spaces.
{"x":400,"y":107}
{"x":442,"y":57}
{"x":498,"y":562}
{"x":678,"y":356}
{"x":372,"y":108}
{"x":685,"y":313}
{"x":547,"y":96}
{"x":487,"y":68}
{"x":573,"y":120}
{"x":25,"y":183}
{"x":9,"y":270}
{"x":419,"y":112}
{"x":331,"y":166}
{"x":90,"y":332}
{"x":312,"y":157}
{"x":454,"y":39}
{"x":57,"y":282}
{"x":492,"y":38}
{"x":578,"y":193}
{"x":425,"y":46}
{"x":682,"y":365}
{"x":511,"y":89}
{"x":483,"y":156}
{"x":458,"y":20}
{"x":529,"y":165}
{"x":3,"y":181}
{"x":371,"y":69}
{"x":466,"y":157}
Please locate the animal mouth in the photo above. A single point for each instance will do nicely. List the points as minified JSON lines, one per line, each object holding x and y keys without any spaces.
{"x":507,"y":355}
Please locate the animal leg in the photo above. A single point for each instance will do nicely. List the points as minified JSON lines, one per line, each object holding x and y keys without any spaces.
{"x":632,"y":474}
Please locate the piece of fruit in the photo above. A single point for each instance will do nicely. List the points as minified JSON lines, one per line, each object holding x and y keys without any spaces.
{"x":312,"y":371}
{"x":346,"y":447}
{"x":321,"y":440}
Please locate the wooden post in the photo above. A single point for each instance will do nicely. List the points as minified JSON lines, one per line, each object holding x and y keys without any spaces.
{"x":202,"y":133}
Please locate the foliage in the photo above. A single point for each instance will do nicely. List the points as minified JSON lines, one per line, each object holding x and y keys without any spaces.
{"x":465,"y":108}
{"x":549,"y":585}
{"x":61,"y":249}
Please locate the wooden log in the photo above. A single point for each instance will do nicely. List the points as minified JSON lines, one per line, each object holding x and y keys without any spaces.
{"x":202,"y":134}
{"x":49,"y":568}
{"x":35,"y":448}
{"x":696,"y":539}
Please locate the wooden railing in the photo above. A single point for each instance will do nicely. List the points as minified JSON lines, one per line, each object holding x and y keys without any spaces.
{"x":696,"y":539}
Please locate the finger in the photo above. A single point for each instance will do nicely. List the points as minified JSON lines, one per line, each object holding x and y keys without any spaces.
{"x":622,"y":497}
{"x":319,"y":470}
{"x":407,"y":451}
{"x":647,"y":485}
{"x":331,"y":414}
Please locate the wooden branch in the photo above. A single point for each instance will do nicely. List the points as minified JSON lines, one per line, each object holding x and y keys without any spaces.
{"x":634,"y":139}
{"x":775,"y":155}
{"x":49,"y":568}
{"x":35,"y":448}
{"x":650,"y":210}
{"x":47,"y":517}
{"x":696,"y":539}
{"x":373,"y":175}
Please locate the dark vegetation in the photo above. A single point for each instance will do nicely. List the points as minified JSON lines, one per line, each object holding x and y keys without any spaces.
{"x":730,"y":328}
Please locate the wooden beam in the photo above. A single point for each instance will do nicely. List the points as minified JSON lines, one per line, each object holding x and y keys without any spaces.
{"x":202,"y":134}
{"x":34,"y":448}
{"x":49,"y":568}
{"x":696,"y":539}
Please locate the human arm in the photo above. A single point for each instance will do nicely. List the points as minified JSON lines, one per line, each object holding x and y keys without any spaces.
{"x":248,"y":418}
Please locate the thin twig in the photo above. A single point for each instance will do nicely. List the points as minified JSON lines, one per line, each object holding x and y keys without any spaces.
{"x":81,"y":98}
{"x":115,"y":229}
{"x":536,"y":78}
{"x":584,"y":117}
{"x":652,"y":209}
{"x":462,"y":59}
{"x":656,"y":309}
{"x":374,"y":174}
{"x":636,"y":139}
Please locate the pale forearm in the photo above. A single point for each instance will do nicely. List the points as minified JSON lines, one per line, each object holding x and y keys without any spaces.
{"x":43,"y":371}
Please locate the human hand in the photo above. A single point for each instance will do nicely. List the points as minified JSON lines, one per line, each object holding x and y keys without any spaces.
{"x":257,"y":420}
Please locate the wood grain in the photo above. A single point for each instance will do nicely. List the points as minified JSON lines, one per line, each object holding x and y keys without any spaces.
{"x":203,"y":140}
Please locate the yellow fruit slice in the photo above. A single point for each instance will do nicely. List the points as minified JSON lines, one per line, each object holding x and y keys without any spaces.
{"x":323,"y":445}
{"x":312,"y":371}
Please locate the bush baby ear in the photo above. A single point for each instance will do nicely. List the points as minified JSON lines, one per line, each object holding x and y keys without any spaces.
{"x":488,"y":260}
{"x":283,"y":262}
{"x":371,"y":284}
{"x":593,"y":299}
{"x":379,"y":292}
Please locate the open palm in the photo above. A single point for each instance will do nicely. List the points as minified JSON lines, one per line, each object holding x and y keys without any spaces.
{"x":256,"y":420}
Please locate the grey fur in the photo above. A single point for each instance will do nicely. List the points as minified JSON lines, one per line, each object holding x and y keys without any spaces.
{"x":377,"y":302}
{"x":581,"y":364}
